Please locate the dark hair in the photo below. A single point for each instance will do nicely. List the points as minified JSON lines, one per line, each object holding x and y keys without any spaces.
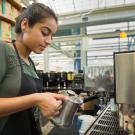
{"x":34,"y":13}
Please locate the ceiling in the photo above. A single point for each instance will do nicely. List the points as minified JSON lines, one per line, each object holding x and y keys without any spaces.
{"x":67,"y":6}
{"x":72,"y":6}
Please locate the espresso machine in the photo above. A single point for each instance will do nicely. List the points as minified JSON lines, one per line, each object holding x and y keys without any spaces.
{"x":124,"y":74}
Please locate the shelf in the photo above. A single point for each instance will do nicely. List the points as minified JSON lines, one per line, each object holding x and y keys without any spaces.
{"x":15,"y":4}
{"x":7,"y":19}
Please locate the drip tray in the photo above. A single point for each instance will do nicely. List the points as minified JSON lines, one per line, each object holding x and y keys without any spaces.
{"x":106,"y":124}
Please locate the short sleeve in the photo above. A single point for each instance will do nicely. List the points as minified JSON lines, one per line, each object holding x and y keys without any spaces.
{"x":3,"y":61}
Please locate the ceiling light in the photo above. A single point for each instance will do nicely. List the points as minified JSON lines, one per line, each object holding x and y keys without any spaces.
{"x":123,"y":34}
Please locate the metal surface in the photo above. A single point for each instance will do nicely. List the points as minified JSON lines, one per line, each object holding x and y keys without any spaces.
{"x":98,"y":77}
{"x":127,"y":118}
{"x":66,"y":117}
{"x":125,"y":77}
{"x":106,"y":124}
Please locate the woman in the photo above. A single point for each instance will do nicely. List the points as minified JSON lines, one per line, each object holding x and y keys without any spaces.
{"x":20,"y":87}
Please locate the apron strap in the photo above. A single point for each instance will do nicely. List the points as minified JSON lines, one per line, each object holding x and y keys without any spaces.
{"x":13,"y":42}
{"x":33,"y":64}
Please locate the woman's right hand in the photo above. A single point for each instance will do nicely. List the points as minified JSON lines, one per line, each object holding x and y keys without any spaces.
{"x":49,"y":103}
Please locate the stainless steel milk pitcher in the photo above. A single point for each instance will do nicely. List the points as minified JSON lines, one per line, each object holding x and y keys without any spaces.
{"x":67,"y":113}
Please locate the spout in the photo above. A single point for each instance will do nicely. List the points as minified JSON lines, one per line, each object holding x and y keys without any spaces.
{"x":77,"y":100}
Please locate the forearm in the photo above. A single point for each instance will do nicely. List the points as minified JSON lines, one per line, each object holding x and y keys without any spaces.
{"x":12,"y":105}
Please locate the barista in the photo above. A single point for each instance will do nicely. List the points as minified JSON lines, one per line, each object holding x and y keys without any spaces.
{"x":20,"y":87}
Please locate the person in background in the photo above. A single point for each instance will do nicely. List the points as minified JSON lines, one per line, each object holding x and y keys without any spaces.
{"x":20,"y":87}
